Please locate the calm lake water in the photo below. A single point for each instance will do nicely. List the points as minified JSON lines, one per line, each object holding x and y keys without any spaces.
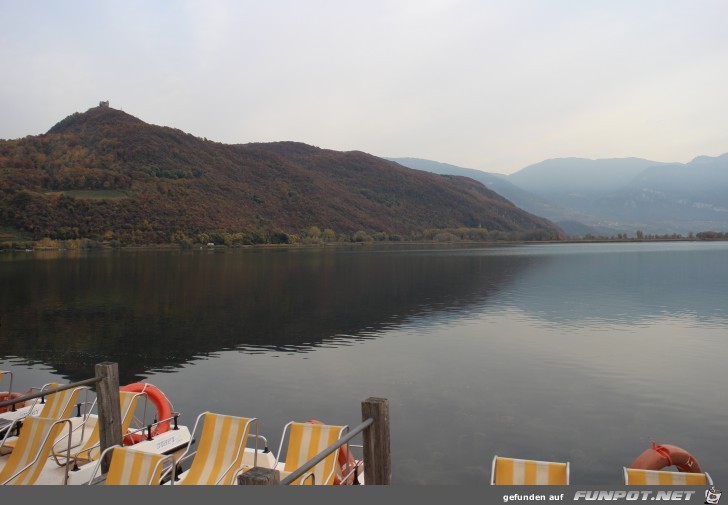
{"x":578,"y":352}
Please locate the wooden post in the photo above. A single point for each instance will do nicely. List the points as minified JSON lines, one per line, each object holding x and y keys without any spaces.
{"x":259,"y":476}
{"x":107,"y":396}
{"x":377,"y":457}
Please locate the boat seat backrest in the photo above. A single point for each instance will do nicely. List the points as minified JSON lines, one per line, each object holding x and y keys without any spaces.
{"x":510,"y":471}
{"x":59,"y":405}
{"x":639,"y":477}
{"x":131,"y":467}
{"x":31,"y":452}
{"x":306,"y":440}
{"x":220,"y":450}
{"x":92,"y":446}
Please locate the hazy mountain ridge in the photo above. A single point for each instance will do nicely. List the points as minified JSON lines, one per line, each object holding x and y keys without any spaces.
{"x":105,"y":174}
{"x":561,"y":176}
{"x":621,"y":195}
{"x":570,"y":220}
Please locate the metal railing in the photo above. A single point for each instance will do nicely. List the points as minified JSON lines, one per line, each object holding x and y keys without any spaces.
{"x":33,"y":396}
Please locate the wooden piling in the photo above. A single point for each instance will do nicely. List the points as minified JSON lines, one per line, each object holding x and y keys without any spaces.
{"x":377,"y":457}
{"x":107,"y":396}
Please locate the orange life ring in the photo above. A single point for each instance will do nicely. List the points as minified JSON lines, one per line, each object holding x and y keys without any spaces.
{"x":4,"y":396}
{"x":658,"y":457}
{"x":346,"y":462}
{"x":161,"y":403}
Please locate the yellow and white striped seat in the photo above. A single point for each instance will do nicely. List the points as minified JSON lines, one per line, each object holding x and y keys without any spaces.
{"x":638,"y":477}
{"x":509,"y":471}
{"x":306,"y":440}
{"x":58,"y":405}
{"x":219,"y":454}
{"x":92,"y":446}
{"x":130,"y":467}
{"x":32,"y":449}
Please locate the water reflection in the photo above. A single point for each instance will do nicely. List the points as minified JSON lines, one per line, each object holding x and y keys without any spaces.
{"x":617,"y":284}
{"x":562,"y":352}
{"x":159,"y":310}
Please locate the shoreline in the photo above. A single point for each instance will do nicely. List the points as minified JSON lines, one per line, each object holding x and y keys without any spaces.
{"x":339,"y":245}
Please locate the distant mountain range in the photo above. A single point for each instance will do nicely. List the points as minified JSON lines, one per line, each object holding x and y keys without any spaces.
{"x":611,"y":196}
{"x":106,"y":175}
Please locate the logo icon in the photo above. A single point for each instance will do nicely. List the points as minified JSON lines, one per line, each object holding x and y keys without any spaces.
{"x":712,"y":496}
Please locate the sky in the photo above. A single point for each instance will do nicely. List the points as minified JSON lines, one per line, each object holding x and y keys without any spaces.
{"x":484,"y":84}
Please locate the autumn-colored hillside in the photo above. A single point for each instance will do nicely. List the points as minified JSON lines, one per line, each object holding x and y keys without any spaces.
{"x":106,"y":175}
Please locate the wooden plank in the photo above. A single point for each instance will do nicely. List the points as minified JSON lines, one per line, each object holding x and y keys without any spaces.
{"x":377,"y":457}
{"x":107,"y":396}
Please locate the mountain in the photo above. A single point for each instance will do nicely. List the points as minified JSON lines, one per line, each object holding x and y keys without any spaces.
{"x":496,"y":182}
{"x":622,"y":195}
{"x":104,"y":174}
{"x":499,"y":183}
{"x":529,"y":201}
{"x":566,"y":176}
{"x":630,"y":193}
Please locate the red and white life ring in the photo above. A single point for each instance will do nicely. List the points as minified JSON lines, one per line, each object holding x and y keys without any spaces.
{"x":4,"y":396}
{"x":161,"y":403}
{"x":345,"y":463}
{"x":658,"y":457}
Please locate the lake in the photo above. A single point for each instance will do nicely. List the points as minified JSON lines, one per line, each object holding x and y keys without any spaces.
{"x":563,"y":352}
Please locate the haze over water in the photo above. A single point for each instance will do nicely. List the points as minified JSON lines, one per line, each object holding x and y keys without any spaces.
{"x":578,"y":352}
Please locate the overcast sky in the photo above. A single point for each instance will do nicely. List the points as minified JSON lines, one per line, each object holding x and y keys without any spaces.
{"x":492,"y":85}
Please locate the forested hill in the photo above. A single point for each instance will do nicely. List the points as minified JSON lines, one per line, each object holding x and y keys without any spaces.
{"x":106,"y":175}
